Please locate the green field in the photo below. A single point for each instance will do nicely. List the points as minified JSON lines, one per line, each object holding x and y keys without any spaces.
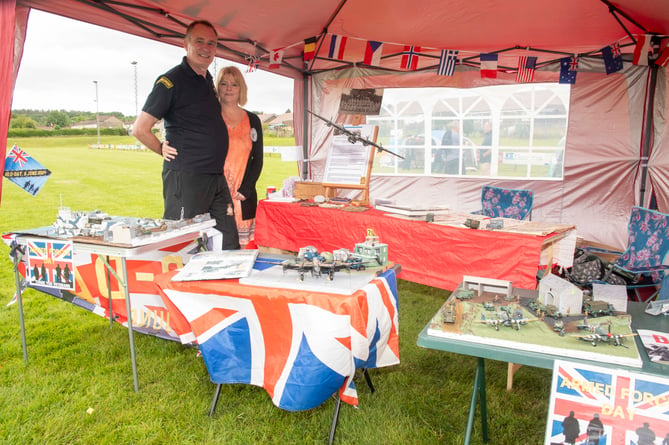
{"x":78,"y":388}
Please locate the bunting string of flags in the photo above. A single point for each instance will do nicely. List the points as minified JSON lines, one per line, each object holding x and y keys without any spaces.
{"x":526,"y":67}
{"x":447,"y":62}
{"x":646,"y":51}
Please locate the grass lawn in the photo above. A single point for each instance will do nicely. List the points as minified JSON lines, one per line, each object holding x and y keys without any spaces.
{"x":77,"y":362}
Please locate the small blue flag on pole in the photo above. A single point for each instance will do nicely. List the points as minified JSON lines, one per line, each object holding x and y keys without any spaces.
{"x":25,"y":171}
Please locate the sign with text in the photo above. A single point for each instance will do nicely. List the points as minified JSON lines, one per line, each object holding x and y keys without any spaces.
{"x":604,"y":406}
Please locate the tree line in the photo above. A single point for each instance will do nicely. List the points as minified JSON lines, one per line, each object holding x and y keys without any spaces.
{"x":56,"y":119}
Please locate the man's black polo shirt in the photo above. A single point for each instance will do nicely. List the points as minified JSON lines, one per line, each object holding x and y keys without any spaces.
{"x":193,"y":124}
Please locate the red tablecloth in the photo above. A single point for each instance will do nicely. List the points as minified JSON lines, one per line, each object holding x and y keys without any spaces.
{"x":431,"y":254}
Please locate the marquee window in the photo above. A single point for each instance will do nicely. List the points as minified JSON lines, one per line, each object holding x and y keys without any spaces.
{"x":511,"y":131}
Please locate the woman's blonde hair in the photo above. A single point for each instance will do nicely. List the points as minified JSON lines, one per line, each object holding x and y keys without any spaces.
{"x":237,"y":75}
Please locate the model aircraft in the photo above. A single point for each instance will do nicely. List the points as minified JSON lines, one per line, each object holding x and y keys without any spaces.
{"x":309,"y":260}
{"x":352,"y":136}
{"x":601,"y":335}
{"x":494,"y":322}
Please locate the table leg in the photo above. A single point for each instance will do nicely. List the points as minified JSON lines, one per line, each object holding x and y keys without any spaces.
{"x":126,"y":293}
{"x":19,"y":298}
{"x":109,"y":294}
{"x":478,"y":390}
{"x":335,"y":419}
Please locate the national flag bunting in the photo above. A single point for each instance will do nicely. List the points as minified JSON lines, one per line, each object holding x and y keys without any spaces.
{"x":447,"y":62}
{"x":309,"y":48}
{"x":613,"y":58}
{"x":663,"y":60}
{"x":25,"y":171}
{"x":275,"y":58}
{"x":253,"y":65}
{"x":337,"y":47}
{"x":488,"y":65}
{"x":526,"y":67}
{"x":568,"y":67}
{"x":410,"y":57}
{"x":373,"y":51}
{"x":642,"y":49}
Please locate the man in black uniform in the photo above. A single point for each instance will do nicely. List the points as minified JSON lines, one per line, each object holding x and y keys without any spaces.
{"x":196,"y":142}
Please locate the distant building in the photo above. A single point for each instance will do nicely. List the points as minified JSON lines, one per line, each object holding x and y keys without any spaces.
{"x":105,"y":122}
{"x":281,"y":125}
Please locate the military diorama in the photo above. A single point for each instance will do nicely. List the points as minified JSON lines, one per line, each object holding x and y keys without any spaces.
{"x":491,"y":311}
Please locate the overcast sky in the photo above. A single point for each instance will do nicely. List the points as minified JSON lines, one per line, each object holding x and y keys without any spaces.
{"x":62,"y":58}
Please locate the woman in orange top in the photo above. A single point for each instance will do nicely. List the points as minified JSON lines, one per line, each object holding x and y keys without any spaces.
{"x":243,"y":163}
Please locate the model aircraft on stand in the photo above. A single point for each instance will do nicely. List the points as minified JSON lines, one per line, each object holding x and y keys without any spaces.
{"x":353,"y":137}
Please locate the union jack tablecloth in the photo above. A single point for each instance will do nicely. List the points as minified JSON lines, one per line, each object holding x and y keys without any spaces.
{"x":301,"y":346}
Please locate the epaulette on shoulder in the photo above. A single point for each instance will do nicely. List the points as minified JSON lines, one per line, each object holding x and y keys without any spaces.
{"x":165,"y":81}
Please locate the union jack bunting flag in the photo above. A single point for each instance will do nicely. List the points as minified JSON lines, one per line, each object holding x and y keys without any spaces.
{"x":447,"y":62}
{"x":606,"y":406}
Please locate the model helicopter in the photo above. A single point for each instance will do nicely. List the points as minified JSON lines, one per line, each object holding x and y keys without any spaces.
{"x":599,"y":334}
{"x":352,"y":136}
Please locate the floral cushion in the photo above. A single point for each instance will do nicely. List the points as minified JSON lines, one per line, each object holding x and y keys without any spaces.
{"x":647,"y":244}
{"x":508,"y":203}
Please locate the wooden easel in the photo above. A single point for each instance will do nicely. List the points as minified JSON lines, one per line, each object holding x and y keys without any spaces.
{"x":352,"y":183}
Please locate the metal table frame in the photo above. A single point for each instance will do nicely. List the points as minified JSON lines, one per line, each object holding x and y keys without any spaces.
{"x":104,"y":252}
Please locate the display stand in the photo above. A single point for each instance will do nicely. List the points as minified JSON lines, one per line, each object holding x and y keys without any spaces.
{"x":349,"y":165}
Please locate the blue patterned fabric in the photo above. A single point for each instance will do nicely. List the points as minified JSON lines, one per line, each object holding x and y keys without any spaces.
{"x":508,"y":203}
{"x":647,"y":243}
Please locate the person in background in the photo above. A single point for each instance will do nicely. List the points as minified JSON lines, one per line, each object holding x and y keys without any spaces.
{"x":196,"y":142}
{"x":243,"y":164}
{"x":485,"y":154}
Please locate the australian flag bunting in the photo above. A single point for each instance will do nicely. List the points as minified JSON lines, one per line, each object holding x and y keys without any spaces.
{"x":24,"y":171}
{"x":568,"y":67}
{"x":613,"y":59}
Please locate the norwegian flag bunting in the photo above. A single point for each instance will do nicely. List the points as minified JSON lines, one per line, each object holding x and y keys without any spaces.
{"x":526,"y":67}
{"x":447,"y":62}
{"x":410,"y":57}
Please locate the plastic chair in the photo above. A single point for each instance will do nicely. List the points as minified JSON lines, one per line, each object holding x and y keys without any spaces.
{"x":497,"y":202}
{"x":647,"y":246}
